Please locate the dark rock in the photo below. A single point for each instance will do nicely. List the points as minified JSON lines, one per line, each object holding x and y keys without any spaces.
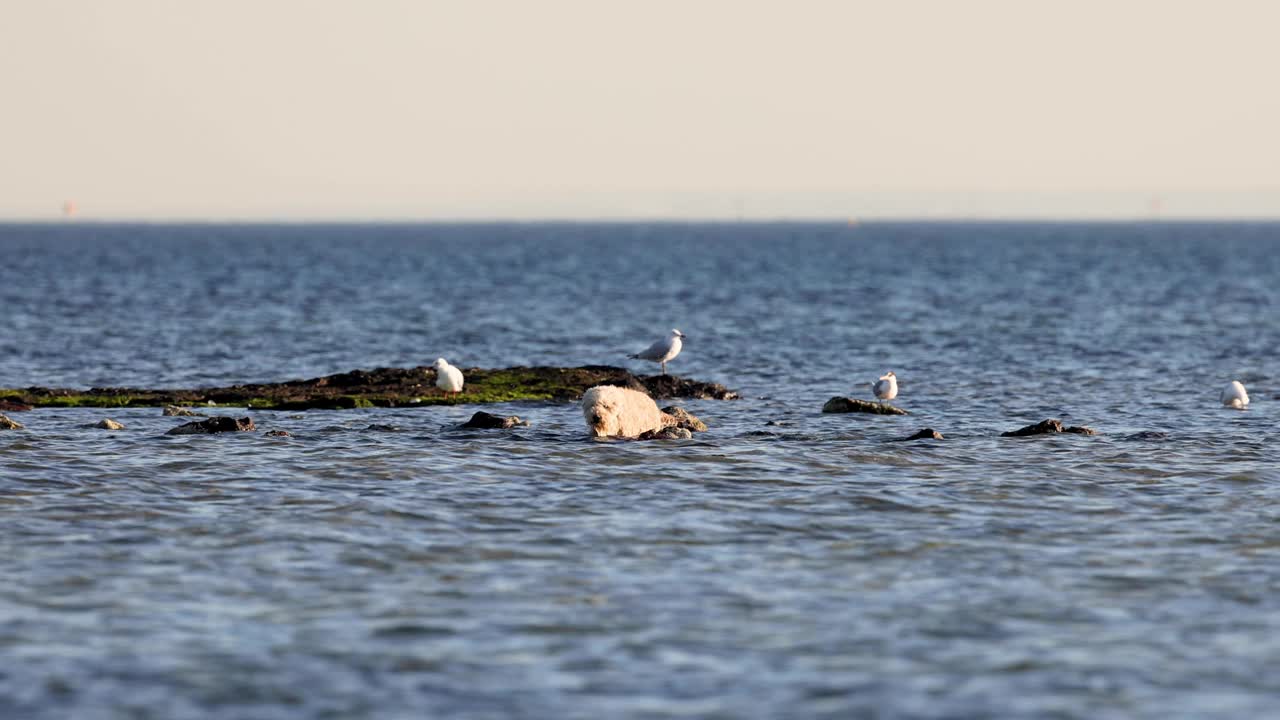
{"x":1146,"y":435}
{"x":671,"y":432}
{"x":7,"y":424}
{"x":175,"y":411}
{"x":1048,"y":427}
{"x":685,"y":419}
{"x":488,"y":421}
{"x":670,"y":386}
{"x":925,"y":434}
{"x":377,"y":427}
{"x":278,"y":433}
{"x":14,"y":406}
{"x":108,"y":424}
{"x":851,"y":405}
{"x":391,"y":387}
{"x":214,"y":425}
{"x":1044,"y":427}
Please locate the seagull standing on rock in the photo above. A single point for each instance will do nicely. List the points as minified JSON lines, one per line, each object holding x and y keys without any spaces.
{"x":662,"y":351}
{"x":886,"y":388}
{"x":1234,"y":395}
{"x":448,"y":377}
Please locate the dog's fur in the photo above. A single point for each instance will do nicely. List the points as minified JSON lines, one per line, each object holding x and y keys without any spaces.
{"x":619,"y":412}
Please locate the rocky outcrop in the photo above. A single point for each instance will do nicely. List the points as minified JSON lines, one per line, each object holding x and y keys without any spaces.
{"x":670,"y":386}
{"x":685,"y":419}
{"x":925,"y":434}
{"x":175,"y":411}
{"x":7,"y":424}
{"x":853,"y":405}
{"x":217,"y":424}
{"x":488,"y":421}
{"x":278,"y":433}
{"x":386,"y":387}
{"x":14,"y":406}
{"x":1048,"y":427}
{"x":108,"y":424}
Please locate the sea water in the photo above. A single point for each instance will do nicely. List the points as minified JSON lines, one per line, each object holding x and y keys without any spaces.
{"x":785,"y":563}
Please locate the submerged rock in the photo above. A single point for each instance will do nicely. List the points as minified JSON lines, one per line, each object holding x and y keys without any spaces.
{"x":1147,"y":435}
{"x":7,"y":424}
{"x":671,"y":432}
{"x":175,"y":411}
{"x":214,"y":425}
{"x":109,"y":424}
{"x":1049,"y":427}
{"x":488,"y":421}
{"x":851,"y":405}
{"x":278,"y":433}
{"x":14,"y":406}
{"x":925,"y":434}
{"x":685,"y":419}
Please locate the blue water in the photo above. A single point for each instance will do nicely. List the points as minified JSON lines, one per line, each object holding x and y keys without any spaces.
{"x":784,"y":563}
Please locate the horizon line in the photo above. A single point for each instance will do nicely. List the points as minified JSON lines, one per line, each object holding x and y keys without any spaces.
{"x":851,"y":221}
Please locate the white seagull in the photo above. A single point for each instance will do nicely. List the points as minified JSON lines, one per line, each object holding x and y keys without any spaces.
{"x":662,"y":351}
{"x":448,"y":377}
{"x":886,"y":388}
{"x":1234,"y":396}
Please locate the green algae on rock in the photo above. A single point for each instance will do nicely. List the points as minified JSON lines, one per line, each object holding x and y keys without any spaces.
{"x":853,"y":405}
{"x":382,"y":387}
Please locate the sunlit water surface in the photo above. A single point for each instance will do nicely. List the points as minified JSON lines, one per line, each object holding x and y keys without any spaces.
{"x":379,"y":563}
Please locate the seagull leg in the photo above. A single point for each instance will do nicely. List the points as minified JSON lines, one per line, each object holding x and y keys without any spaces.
{"x":664,"y":368}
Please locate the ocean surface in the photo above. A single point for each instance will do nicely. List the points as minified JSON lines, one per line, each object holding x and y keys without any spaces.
{"x":786,"y":563}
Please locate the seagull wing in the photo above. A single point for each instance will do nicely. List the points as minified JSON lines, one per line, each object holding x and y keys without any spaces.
{"x":655,"y":351}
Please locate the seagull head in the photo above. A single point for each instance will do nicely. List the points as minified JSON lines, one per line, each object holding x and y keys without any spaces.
{"x":887,"y":375}
{"x":676,"y":333}
{"x":441,"y":363}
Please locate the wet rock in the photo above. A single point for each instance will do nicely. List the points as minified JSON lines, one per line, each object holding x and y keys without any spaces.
{"x":175,"y":411}
{"x":7,"y":424}
{"x":108,"y":424}
{"x":671,"y":432}
{"x":925,"y":434}
{"x":1147,"y":435}
{"x":488,"y":421}
{"x":671,"y":386}
{"x":852,"y":405}
{"x":378,"y":427}
{"x":394,"y":387}
{"x":278,"y":433}
{"x":1049,"y":427}
{"x":14,"y":406}
{"x":683,"y":418}
{"x":216,"y":424}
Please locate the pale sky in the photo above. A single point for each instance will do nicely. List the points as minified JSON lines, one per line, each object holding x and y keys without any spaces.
{"x":297,"y":109}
